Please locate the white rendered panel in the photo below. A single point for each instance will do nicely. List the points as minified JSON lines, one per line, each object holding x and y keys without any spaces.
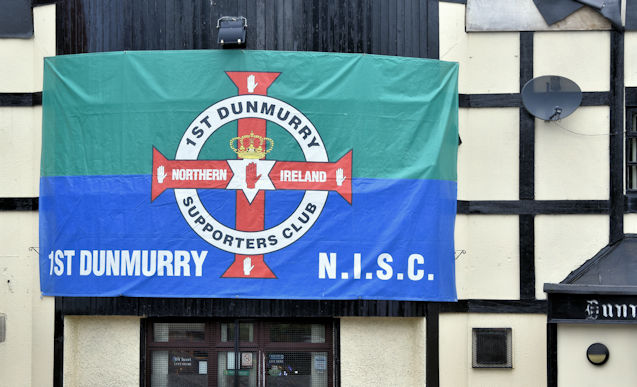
{"x":529,"y":350}
{"x":630,"y":58}
{"x":571,"y":156}
{"x":26,"y":355}
{"x":21,"y":60}
{"x":487,"y":263}
{"x":630,"y":223}
{"x":382,"y":351}
{"x":563,"y":243}
{"x":17,"y":65}
{"x":575,"y":369}
{"x":43,"y":42}
{"x":101,"y":351}
{"x":488,"y":158}
{"x":489,"y":62}
{"x":581,"y":56}
{"x":20,"y":143}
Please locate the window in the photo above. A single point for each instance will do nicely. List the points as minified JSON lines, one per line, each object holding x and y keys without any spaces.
{"x":492,"y":348}
{"x":631,"y":150}
{"x":247,"y":353}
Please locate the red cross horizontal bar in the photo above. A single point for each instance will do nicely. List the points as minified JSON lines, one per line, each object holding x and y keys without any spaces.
{"x":299,"y":175}
{"x":285,"y":175}
{"x":187,"y":174}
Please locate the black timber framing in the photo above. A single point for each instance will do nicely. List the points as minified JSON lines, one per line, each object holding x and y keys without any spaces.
{"x":494,"y":306}
{"x":526,"y":222}
{"x":240,"y":308}
{"x":432,"y":346}
{"x":466,"y":207}
{"x":526,"y":231}
{"x":532,"y":207}
{"x":58,"y":344}
{"x":616,"y":151}
{"x":551,"y":361}
{"x":19,"y":204}
{"x":432,"y":350}
{"x":21,"y":99}
{"x":208,"y":307}
{"x":433,"y":23}
{"x":403,"y":27}
{"x":589,"y":98}
{"x":35,"y":3}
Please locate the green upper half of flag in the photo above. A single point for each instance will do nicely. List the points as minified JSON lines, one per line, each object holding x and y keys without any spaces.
{"x":103,"y":113}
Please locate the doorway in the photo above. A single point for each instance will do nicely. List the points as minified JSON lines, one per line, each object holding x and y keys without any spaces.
{"x":239,"y":353}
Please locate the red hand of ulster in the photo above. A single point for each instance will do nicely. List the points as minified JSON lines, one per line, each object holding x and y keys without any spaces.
{"x":251,"y":175}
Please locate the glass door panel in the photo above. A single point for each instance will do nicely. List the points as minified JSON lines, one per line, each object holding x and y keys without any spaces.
{"x":179,"y":368}
{"x":296,"y":369}
{"x":227,"y":368}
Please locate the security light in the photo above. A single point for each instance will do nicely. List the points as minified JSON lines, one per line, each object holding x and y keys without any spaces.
{"x":232,"y":31}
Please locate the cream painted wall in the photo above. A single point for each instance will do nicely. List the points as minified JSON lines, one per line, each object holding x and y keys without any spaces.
{"x":565,"y":242}
{"x":21,"y":134}
{"x":382,"y":351}
{"x":630,"y":223}
{"x":575,"y":370}
{"x":489,"y":267}
{"x":26,"y":356}
{"x":21,"y":60}
{"x":21,"y":66}
{"x":101,"y":351}
{"x":529,"y":350}
{"x":581,"y":56}
{"x":489,"y":62}
{"x":571,"y":156}
{"x":630,"y":58}
{"x":490,"y":135}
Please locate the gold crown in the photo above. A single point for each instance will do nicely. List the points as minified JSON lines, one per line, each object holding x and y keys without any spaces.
{"x":251,"y":150}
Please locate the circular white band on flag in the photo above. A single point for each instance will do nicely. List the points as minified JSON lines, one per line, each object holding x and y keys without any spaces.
{"x":303,"y":217}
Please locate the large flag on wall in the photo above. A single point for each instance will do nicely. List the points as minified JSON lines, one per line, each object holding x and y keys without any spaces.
{"x":250,"y":174}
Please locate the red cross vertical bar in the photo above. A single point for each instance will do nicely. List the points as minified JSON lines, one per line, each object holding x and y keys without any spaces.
{"x":250,"y":216}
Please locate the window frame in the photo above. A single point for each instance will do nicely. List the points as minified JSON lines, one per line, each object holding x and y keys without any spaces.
{"x":261,"y":343}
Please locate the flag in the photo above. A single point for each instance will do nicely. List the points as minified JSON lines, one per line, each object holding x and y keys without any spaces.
{"x":250,"y":174}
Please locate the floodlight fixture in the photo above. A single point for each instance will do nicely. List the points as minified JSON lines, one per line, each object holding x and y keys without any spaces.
{"x":232,"y":31}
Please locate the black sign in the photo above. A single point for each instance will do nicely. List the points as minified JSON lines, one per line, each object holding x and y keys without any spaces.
{"x":592,"y":308}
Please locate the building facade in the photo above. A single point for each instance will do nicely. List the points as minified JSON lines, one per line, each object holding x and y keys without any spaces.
{"x":541,"y":207}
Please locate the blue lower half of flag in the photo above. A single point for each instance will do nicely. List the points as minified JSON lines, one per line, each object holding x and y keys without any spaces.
{"x":102,"y":236}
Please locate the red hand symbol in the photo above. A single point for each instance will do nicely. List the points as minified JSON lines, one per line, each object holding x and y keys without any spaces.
{"x":251,"y":175}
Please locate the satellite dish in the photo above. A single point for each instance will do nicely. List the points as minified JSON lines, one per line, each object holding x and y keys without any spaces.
{"x":551,"y":97}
